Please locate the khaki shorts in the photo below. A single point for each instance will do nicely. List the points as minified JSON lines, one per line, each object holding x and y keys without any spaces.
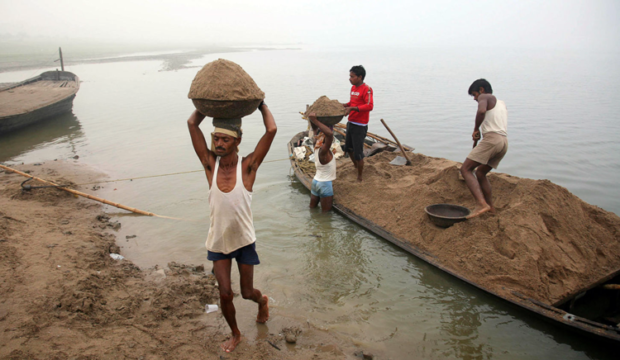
{"x":490,"y":150}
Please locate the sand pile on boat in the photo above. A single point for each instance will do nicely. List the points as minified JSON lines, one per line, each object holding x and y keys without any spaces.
{"x":323,"y":106}
{"x":543,"y":242}
{"x":223,"y":80}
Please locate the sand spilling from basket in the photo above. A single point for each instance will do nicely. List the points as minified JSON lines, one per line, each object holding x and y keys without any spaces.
{"x":323,"y":106}
{"x":223,"y":80}
{"x":543,"y":242}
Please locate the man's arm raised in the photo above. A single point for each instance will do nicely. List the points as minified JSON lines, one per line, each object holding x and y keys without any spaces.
{"x":480,"y":113}
{"x":257,"y":157}
{"x":325,"y":154}
{"x":206,"y":156}
{"x":329,"y":134}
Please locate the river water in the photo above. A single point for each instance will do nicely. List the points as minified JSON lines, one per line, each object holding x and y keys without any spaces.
{"x":129,"y":120}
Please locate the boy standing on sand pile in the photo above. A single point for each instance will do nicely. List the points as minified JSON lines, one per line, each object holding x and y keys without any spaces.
{"x":358,"y":109}
{"x":492,"y":122}
{"x":231,"y":233}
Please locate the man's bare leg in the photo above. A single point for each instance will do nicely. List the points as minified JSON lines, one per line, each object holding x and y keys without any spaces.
{"x":314,"y":201}
{"x":248,"y":292}
{"x":352,"y":157}
{"x":485,"y":185}
{"x":467,"y":170}
{"x":326,"y":203}
{"x":360,"y":169}
{"x":222,"y":274}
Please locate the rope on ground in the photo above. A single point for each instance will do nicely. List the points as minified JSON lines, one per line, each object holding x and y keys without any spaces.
{"x":88,"y":196}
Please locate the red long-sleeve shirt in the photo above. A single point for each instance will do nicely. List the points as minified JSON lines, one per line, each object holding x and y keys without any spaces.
{"x":361,"y":97}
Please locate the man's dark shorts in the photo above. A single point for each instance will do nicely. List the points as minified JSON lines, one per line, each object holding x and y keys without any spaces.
{"x":354,"y":141}
{"x":245,"y":255}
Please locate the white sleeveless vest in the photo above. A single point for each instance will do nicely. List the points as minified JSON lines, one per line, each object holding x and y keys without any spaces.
{"x":325,"y":172}
{"x":496,"y":120}
{"x":232,"y":225}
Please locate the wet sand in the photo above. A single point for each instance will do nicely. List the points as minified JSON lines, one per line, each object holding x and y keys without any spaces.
{"x":63,"y":296}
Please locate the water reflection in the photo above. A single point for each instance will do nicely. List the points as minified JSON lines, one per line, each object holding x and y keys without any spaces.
{"x":334,"y":262}
{"x":63,"y":132}
{"x":459,"y":316}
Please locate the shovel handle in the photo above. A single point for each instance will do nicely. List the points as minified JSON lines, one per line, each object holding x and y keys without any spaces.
{"x":397,"y":142}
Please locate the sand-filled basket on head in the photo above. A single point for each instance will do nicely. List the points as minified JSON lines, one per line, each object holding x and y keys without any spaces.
{"x":327,"y":111}
{"x":223,"y":90}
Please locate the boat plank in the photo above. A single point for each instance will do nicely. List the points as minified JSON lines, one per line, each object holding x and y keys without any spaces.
{"x":32,"y":96}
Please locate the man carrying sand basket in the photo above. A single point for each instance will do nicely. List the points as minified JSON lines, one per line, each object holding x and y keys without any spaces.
{"x":231,"y":233}
{"x":223,"y":90}
{"x":492,"y":122}
{"x":358,"y":109}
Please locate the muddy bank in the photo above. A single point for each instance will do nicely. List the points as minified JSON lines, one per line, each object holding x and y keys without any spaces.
{"x":63,"y":296}
{"x":543,"y":241}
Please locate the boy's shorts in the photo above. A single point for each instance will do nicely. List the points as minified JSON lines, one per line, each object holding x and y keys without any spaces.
{"x":245,"y":255}
{"x":322,"y":188}
{"x":490,"y":150}
{"x":354,"y":142}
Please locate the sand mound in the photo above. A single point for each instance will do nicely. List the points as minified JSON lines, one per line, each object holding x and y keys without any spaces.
{"x":323,"y":106}
{"x":224,"y":80}
{"x":543,"y":241}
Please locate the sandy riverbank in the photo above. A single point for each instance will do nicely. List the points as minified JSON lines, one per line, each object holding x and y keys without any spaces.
{"x":63,"y":296}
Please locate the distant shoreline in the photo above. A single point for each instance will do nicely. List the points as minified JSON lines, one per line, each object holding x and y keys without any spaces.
{"x":171,"y":61}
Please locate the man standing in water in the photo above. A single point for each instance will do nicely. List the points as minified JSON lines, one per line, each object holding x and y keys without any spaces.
{"x":492,"y":122}
{"x":231,"y":233}
{"x":325,"y":163}
{"x":358,"y":109}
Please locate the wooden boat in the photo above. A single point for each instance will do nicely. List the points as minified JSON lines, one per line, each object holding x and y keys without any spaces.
{"x":41,"y":97}
{"x":595,"y":295}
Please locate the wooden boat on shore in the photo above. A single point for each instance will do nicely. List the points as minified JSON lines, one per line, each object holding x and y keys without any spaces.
{"x":598,"y":304}
{"x":41,"y":97}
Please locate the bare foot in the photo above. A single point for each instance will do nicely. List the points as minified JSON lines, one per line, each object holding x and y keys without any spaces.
{"x":263,"y":311}
{"x":230,"y":344}
{"x":359,"y":179}
{"x":478,"y":211}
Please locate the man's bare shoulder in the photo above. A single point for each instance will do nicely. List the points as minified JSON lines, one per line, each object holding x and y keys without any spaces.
{"x":486,"y":97}
{"x":490,"y":100}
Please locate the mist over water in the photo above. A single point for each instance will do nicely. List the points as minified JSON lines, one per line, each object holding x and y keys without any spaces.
{"x":129,"y":120}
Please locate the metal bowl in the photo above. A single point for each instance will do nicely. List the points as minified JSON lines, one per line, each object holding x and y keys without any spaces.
{"x":226,"y":109}
{"x":330,"y":120}
{"x":446,"y":215}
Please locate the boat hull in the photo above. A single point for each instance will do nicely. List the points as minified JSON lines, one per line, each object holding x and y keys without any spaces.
{"x":548,"y":312}
{"x":34,"y":107}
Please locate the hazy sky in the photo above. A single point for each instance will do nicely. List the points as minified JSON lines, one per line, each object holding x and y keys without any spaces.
{"x":593,"y":24}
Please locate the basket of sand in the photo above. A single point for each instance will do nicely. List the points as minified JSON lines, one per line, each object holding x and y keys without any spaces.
{"x":446,"y":215}
{"x":327,"y":111}
{"x":223,"y":90}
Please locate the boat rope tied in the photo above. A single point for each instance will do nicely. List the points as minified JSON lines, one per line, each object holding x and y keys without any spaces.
{"x":75,"y":192}
{"x":160,"y":175}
